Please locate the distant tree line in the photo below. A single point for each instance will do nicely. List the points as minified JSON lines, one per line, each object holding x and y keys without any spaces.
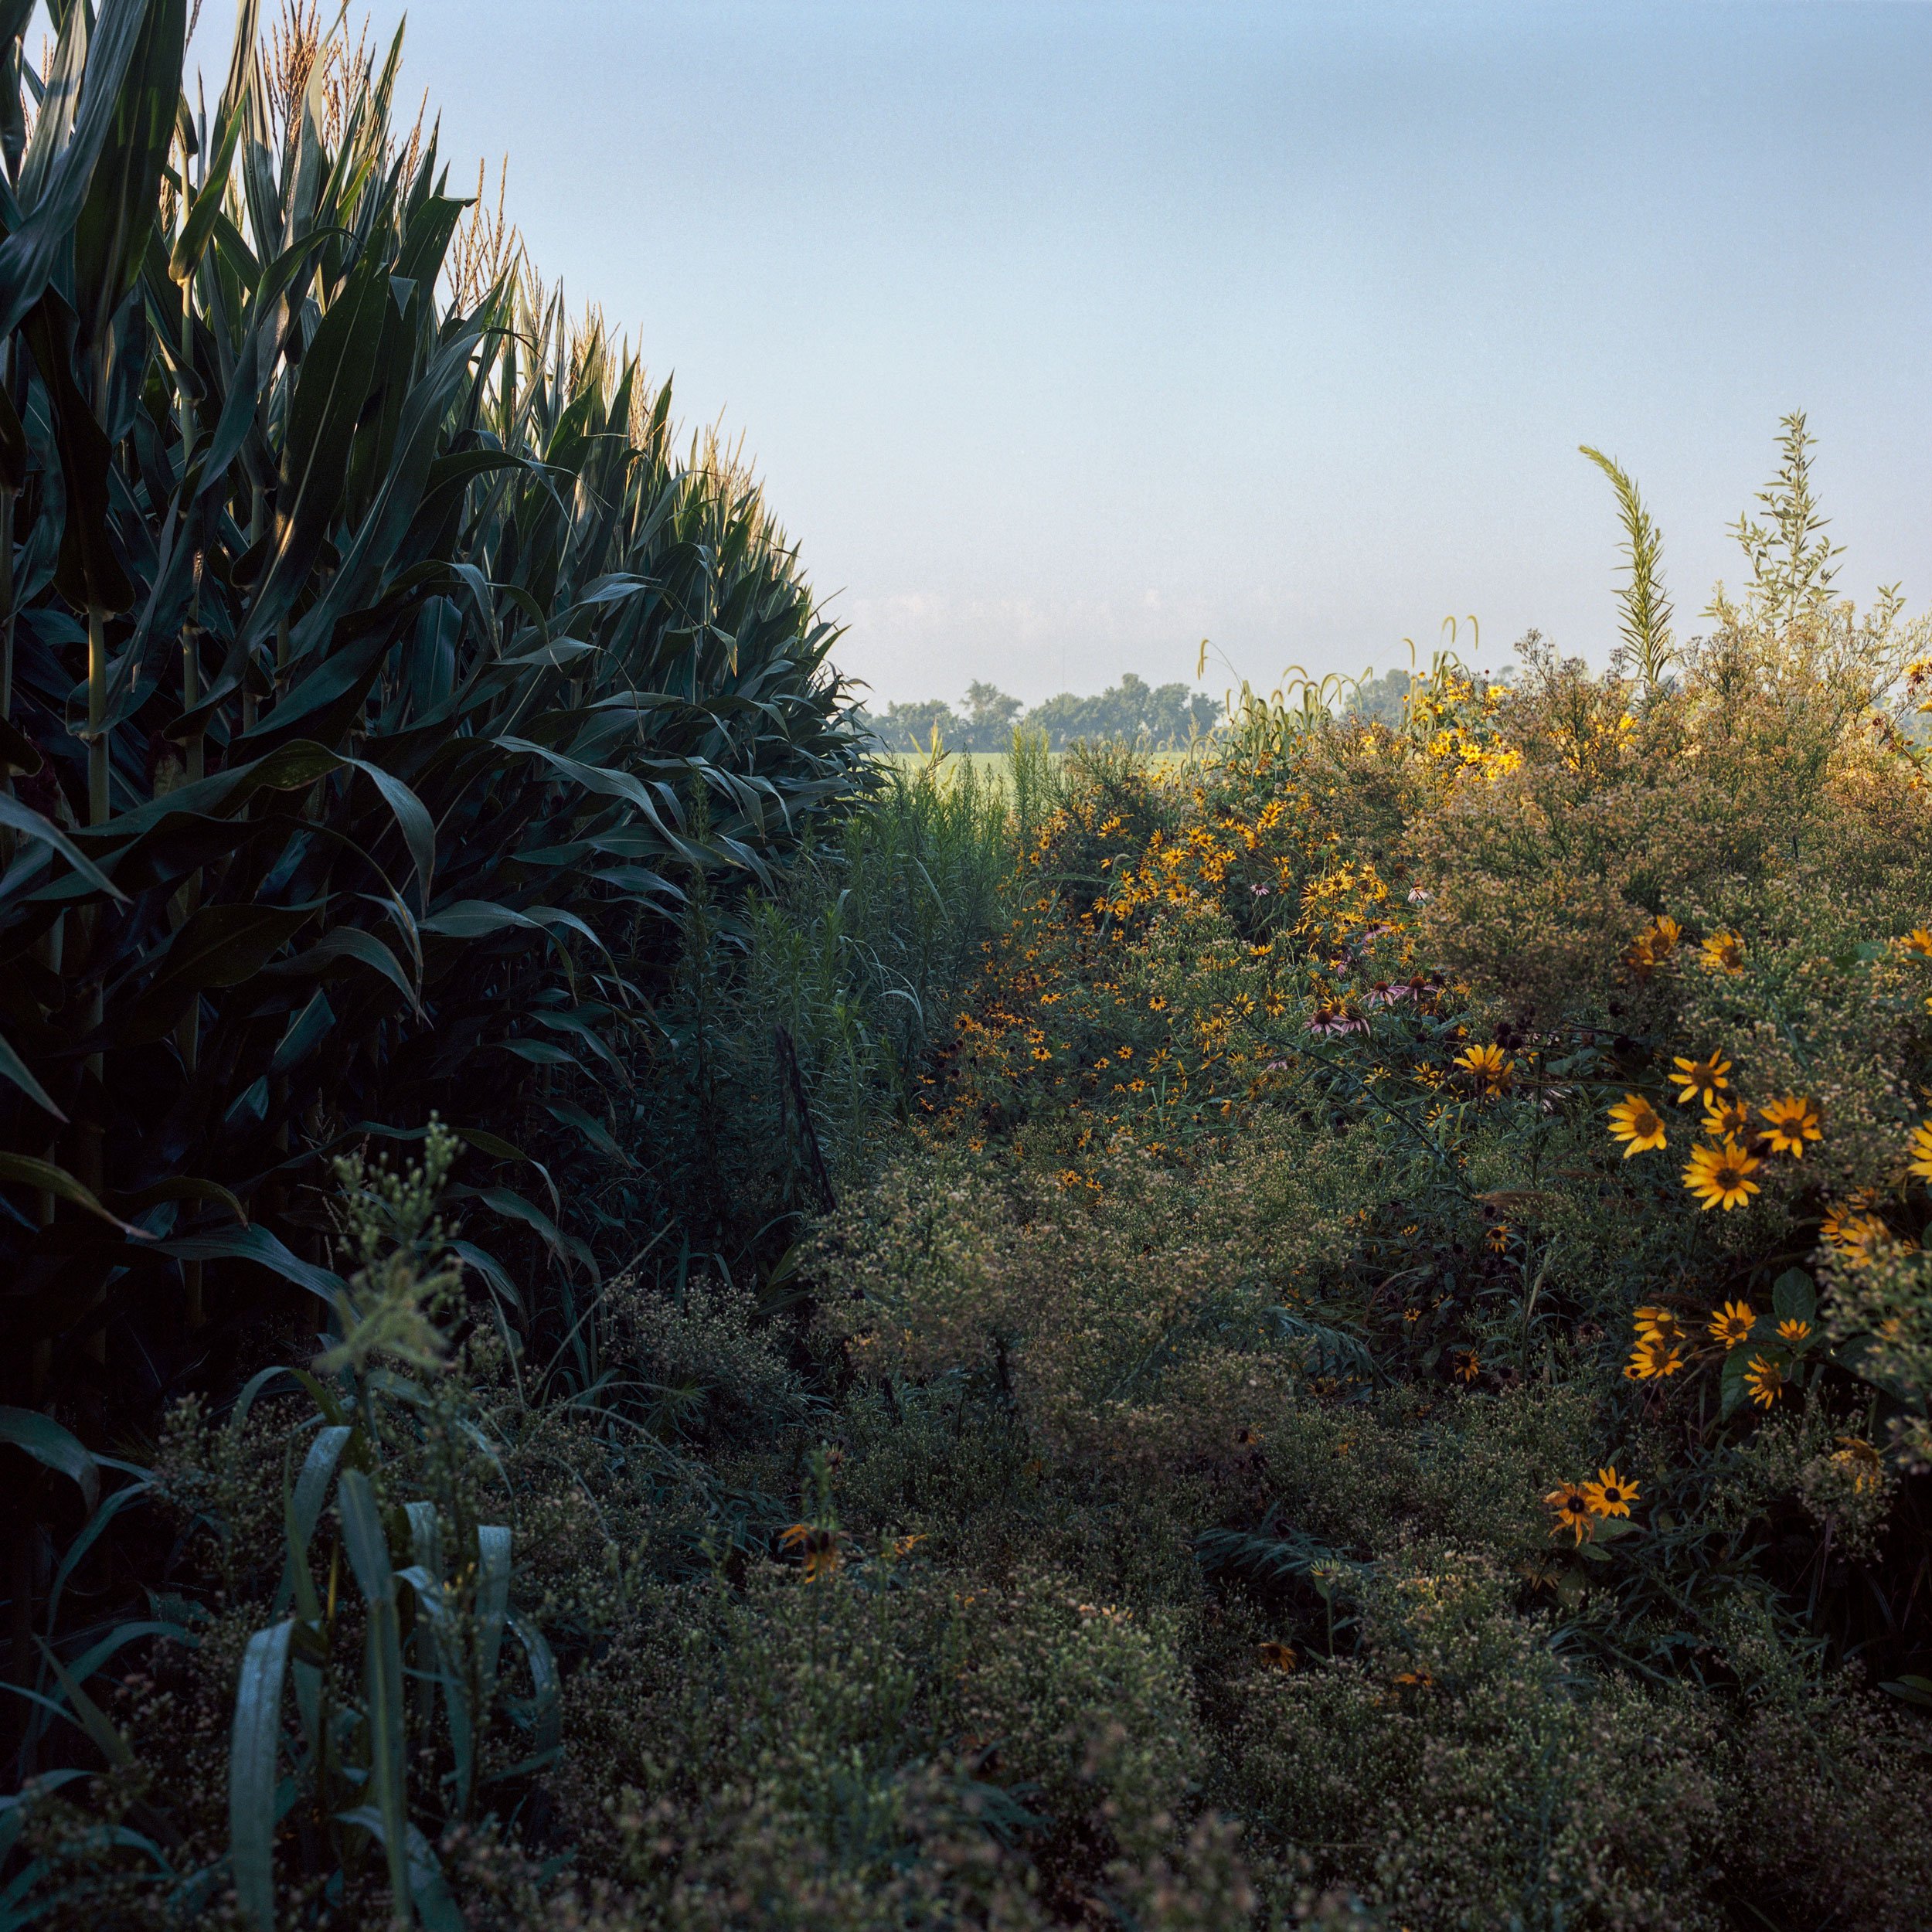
{"x":1133,"y":710}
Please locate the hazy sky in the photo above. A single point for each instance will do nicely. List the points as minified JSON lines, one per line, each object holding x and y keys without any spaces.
{"x":1066,"y":335}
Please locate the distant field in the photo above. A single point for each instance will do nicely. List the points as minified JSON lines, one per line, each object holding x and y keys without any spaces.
{"x":995,"y":764}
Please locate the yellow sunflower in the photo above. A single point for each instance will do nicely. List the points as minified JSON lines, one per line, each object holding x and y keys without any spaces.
{"x":1636,"y":1123}
{"x":1723,"y":953}
{"x":1724,"y":1120}
{"x":1276,"y":1656}
{"x":1467,"y":1365}
{"x":1720,"y":1176}
{"x":1765,"y":1379}
{"x":1918,"y":940}
{"x":1655,"y":1359}
{"x":1700,"y":1079}
{"x":1661,"y":1322}
{"x":1572,"y":1504}
{"x":1795,"y":1332}
{"x":1733,"y":1323}
{"x":1791,"y":1122}
{"x":1609,"y":1494}
{"x":1920,"y":1150}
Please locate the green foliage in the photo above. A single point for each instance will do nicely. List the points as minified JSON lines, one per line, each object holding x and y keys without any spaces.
{"x":379,"y":682}
{"x":1160,"y":717}
{"x":1646,"y":609}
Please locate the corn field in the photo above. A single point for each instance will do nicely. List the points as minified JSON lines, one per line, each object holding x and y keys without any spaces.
{"x":377,"y":676}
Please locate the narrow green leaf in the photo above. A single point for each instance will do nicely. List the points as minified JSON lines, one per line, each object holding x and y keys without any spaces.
{"x":252,"y":1751}
{"x":43,"y":1439}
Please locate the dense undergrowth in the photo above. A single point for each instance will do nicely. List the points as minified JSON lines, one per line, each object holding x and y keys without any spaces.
{"x":1333,"y":1334}
{"x":1332,"y":1331}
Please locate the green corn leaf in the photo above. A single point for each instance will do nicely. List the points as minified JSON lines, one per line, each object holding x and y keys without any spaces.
{"x":14,"y":1068}
{"x":26,"y":821}
{"x":183,"y":1187}
{"x":45,"y":1177}
{"x":218,"y":946}
{"x":196,"y":231}
{"x":56,"y":175}
{"x":593,"y":1130}
{"x":348,"y":945}
{"x":110,"y":232}
{"x":254,"y":1748}
{"x":254,"y":1243}
{"x":43,"y":1439}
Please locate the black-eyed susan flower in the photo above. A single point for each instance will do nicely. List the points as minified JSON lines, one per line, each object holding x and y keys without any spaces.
{"x":1700,"y":1079}
{"x":1652,"y":946}
{"x":1765,"y":1379}
{"x":1657,"y":1322}
{"x":1860,"y":1460}
{"x":1498,"y":1238}
{"x":1571,"y":1505}
{"x":818,"y":1548}
{"x":1637,"y":1124}
{"x":1611,"y":1494}
{"x":1276,"y":1656}
{"x":1733,"y":1323}
{"x":1720,"y":1176}
{"x":1488,"y":1066}
{"x":1468,"y":1365}
{"x":1655,"y":1359}
{"x":1724,"y":1120}
{"x":1795,"y":1333}
{"x":1918,"y":940}
{"x":1723,"y":953}
{"x":1855,"y":1233}
{"x":1920,"y":1149}
{"x":1790,"y":1123}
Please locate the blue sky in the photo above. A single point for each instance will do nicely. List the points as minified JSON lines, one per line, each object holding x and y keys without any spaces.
{"x":1066,"y":335}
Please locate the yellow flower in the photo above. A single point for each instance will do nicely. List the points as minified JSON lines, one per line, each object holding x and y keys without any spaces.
{"x":1854,"y":1231}
{"x":1860,"y":1461}
{"x":1467,"y":1366}
{"x":1765,"y":1379}
{"x":1733,"y":1323}
{"x":1661,"y":1322}
{"x":1700,"y":1079}
{"x":1655,"y":1359}
{"x":1724,"y":1120}
{"x":1276,"y":1656}
{"x":1609,"y":1494}
{"x":1920,"y":1149}
{"x":1796,"y":1332}
{"x":1652,"y":946}
{"x":1571,"y":1505}
{"x":1723,"y":953}
{"x":1486,"y":1065}
{"x":1636,"y":1123}
{"x":1498,"y":1238}
{"x":1918,"y":940}
{"x":1793,"y":1121}
{"x":817,"y":1548}
{"x":1720,"y":1176}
